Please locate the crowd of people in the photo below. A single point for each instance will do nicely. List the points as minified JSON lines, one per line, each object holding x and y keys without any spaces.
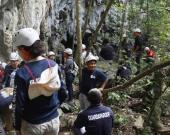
{"x":36,"y":79}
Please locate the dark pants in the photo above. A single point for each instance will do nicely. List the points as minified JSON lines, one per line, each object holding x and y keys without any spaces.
{"x":69,"y":81}
{"x":2,"y":132}
{"x":137,"y":59}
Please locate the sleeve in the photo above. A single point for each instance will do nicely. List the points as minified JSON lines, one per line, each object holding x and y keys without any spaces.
{"x":112,"y":117}
{"x":19,"y":100}
{"x":68,"y":65}
{"x":102,"y":76}
{"x":80,"y":121}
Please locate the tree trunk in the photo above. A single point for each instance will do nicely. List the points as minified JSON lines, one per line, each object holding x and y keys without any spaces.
{"x":79,"y":38}
{"x":94,"y":36}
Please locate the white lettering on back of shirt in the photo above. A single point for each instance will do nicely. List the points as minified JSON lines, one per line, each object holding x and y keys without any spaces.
{"x":98,"y":116}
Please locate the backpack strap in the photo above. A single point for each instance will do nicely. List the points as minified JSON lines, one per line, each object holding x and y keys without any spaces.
{"x":30,"y":72}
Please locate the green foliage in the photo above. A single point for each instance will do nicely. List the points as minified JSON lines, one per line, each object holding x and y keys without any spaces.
{"x":120,"y":119}
{"x":117,"y":98}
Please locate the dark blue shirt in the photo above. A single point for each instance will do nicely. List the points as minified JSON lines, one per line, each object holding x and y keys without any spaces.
{"x":91,"y":79}
{"x":97,"y":120}
{"x":37,"y":110}
{"x":8,"y":70}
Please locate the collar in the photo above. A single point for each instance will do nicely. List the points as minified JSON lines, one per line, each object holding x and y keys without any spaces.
{"x":36,"y":59}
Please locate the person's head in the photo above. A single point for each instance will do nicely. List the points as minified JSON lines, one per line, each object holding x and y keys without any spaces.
{"x":28,"y":44}
{"x":51,"y":55}
{"x":94,"y":96}
{"x":83,"y":47}
{"x":14,"y":59}
{"x":136,"y":32}
{"x":147,"y":49}
{"x":91,"y":61}
{"x":124,"y":35}
{"x":68,"y":52}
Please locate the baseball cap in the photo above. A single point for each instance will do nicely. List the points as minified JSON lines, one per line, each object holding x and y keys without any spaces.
{"x":91,"y":57}
{"x":14,"y":56}
{"x":26,"y":37}
{"x":124,"y":35}
{"x":137,"y":30}
{"x":51,"y":53}
{"x":68,"y":51}
{"x":83,"y":46}
{"x":146,"y":48}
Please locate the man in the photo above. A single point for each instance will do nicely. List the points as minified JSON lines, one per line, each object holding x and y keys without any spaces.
{"x":51,"y":55}
{"x":126,"y":46}
{"x":91,"y":78}
{"x":96,"y":119}
{"x":36,"y":85}
{"x":84,"y":53}
{"x":124,"y":71}
{"x":138,"y":47}
{"x":150,"y":56}
{"x":68,"y":68}
{"x":13,"y":65}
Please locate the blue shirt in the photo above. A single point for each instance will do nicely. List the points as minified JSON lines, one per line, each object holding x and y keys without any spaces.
{"x":97,"y":120}
{"x":40,"y":109}
{"x":91,"y":79}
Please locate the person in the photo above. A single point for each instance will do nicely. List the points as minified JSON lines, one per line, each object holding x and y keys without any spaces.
{"x":51,"y":55}
{"x":69,"y":76}
{"x":12,"y":66}
{"x":150,"y":56}
{"x":84,"y":53}
{"x":97,"y":119}
{"x":36,"y":84}
{"x":91,"y":78}
{"x":107,"y":52}
{"x":1,"y":75}
{"x":6,"y":99}
{"x":124,"y":71}
{"x":138,"y":47}
{"x":127,"y":46}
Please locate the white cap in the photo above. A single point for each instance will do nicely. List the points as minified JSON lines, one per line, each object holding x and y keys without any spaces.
{"x":14,"y":56}
{"x":124,"y":35}
{"x":91,"y":57}
{"x":147,"y":49}
{"x":26,"y":37}
{"x":4,"y":64}
{"x":137,"y":30}
{"x":68,"y":51}
{"x":83,"y":46}
{"x":51,"y":53}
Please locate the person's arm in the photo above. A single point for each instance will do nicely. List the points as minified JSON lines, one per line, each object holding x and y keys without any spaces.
{"x":103,"y":78}
{"x":19,"y":101}
{"x":79,"y":124}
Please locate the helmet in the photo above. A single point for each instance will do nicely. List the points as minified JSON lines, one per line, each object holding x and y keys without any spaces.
{"x":4,"y":64}
{"x":137,"y":30}
{"x":14,"y":56}
{"x":51,"y":53}
{"x":68,"y":51}
{"x":83,"y":46}
{"x":147,"y":49}
{"x":91,"y":57}
{"x":26,"y":37}
{"x":124,"y":35}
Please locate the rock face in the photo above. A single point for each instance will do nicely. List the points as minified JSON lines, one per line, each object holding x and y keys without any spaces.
{"x":15,"y":14}
{"x":54,"y":19}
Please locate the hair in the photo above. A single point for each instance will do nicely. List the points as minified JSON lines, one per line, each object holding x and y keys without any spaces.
{"x":35,"y":50}
{"x":94,"y":96}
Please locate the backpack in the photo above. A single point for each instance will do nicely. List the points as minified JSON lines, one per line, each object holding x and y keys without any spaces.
{"x":75,"y":69}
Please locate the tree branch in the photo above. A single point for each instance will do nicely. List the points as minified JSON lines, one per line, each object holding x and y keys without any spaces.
{"x":141,"y":75}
